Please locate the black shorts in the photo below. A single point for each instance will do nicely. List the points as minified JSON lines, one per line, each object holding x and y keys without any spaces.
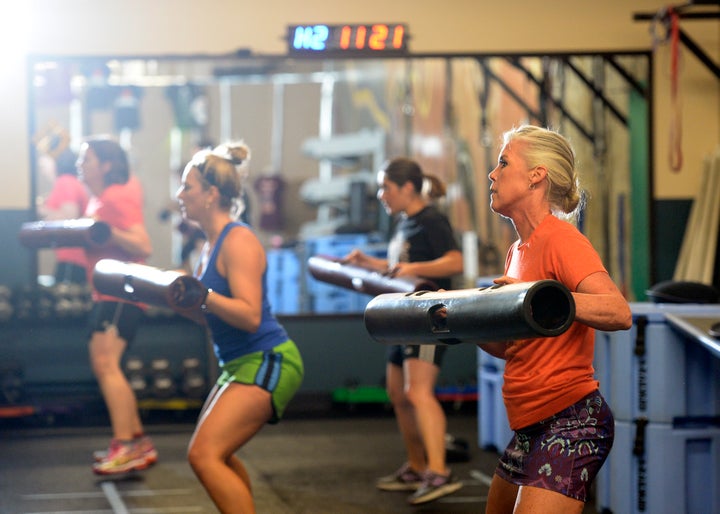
{"x":397,"y":353}
{"x":69,"y":272}
{"x":125,"y":316}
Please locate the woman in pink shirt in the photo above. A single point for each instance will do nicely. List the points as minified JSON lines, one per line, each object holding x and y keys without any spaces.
{"x":68,"y":199}
{"x":117,"y":200}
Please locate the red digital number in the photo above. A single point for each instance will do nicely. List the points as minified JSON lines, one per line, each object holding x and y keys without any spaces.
{"x":378,"y":37}
{"x":345,"y":34}
{"x":398,"y":36}
{"x":360,"y":37}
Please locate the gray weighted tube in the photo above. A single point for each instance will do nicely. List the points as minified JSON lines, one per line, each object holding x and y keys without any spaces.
{"x":332,"y":271}
{"x":82,"y":232}
{"x":544,"y":308}
{"x":135,"y":282}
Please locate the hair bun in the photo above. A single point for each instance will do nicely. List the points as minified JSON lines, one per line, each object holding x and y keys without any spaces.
{"x":237,"y":152}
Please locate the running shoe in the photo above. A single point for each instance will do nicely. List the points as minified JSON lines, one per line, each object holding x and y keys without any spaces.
{"x":434,"y":486}
{"x":146,"y":444}
{"x":404,"y":479}
{"x":124,"y":457}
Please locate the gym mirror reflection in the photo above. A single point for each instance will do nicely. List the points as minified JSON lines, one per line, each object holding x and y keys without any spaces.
{"x":319,"y":130}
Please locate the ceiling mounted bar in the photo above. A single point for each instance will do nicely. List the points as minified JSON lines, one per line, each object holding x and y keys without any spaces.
{"x":682,"y":12}
{"x":710,"y":15}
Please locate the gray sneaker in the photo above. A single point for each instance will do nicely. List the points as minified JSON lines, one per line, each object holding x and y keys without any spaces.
{"x":404,"y":479}
{"x":434,"y":486}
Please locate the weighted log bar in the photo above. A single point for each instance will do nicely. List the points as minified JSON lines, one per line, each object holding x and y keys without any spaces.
{"x":83,"y":232}
{"x":135,"y":282}
{"x":544,"y":308}
{"x":356,"y":278}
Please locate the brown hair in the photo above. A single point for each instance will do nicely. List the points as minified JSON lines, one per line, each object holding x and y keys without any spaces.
{"x":109,"y":150}
{"x":402,"y":170}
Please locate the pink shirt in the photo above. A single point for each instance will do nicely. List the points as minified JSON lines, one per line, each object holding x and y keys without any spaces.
{"x":120,"y":206}
{"x":68,"y":189}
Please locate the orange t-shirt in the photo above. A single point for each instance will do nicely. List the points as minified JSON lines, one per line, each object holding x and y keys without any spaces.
{"x":545,"y":375}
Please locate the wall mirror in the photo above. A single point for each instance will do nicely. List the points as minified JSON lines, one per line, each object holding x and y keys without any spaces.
{"x":320,"y":128}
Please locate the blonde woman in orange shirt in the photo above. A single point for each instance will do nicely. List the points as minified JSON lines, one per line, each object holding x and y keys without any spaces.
{"x":563,"y":427}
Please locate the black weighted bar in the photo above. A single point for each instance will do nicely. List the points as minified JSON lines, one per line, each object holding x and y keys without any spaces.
{"x":141,"y":283}
{"x":356,"y":278}
{"x":82,"y":232}
{"x":543,"y":308}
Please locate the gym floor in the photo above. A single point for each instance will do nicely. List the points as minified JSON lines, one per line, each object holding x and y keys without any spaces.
{"x":319,"y":463}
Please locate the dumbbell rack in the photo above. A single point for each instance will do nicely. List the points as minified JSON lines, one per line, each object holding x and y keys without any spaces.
{"x":52,"y":374}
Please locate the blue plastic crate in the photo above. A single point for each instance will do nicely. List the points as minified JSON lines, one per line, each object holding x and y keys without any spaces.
{"x":664,"y":376}
{"x":490,"y":362}
{"x":283,"y":280}
{"x":494,"y":431}
{"x":338,"y":245}
{"x":360,"y":301}
{"x":678,"y":472}
{"x":338,"y":301}
{"x":286,"y":300}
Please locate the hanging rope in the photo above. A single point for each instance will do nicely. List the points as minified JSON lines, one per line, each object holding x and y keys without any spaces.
{"x":675,"y":153}
{"x":670,"y":19}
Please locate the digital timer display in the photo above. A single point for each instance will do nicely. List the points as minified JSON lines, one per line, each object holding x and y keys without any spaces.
{"x":371,"y":39}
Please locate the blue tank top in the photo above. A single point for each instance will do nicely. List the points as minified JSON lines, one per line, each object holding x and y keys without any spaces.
{"x":231,"y":342}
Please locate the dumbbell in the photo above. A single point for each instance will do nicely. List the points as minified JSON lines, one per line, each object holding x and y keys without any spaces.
{"x":135,"y":373}
{"x":6,"y":306}
{"x":162,"y":384}
{"x":11,"y":385}
{"x":194,"y":384}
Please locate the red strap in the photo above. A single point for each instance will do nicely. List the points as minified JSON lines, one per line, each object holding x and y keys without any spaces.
{"x":675,"y":152}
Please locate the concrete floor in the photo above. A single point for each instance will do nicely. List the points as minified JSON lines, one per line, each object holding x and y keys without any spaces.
{"x":318,"y":464}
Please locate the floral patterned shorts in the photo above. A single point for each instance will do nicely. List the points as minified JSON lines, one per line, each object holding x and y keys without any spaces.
{"x":564,"y":452}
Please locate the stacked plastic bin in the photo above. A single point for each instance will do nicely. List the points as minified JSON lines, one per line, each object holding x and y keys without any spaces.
{"x":284,"y":272}
{"x":493,"y":428}
{"x":664,"y":389}
{"x":291,"y":288}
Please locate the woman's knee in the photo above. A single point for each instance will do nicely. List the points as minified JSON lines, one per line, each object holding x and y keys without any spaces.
{"x":419,"y":396}
{"x":393,"y":395}
{"x":197,"y":458}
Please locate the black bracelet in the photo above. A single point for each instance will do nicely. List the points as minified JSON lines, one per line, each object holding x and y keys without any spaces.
{"x":203,"y":306}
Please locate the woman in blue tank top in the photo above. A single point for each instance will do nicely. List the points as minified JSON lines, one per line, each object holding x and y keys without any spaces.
{"x":261,"y":368}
